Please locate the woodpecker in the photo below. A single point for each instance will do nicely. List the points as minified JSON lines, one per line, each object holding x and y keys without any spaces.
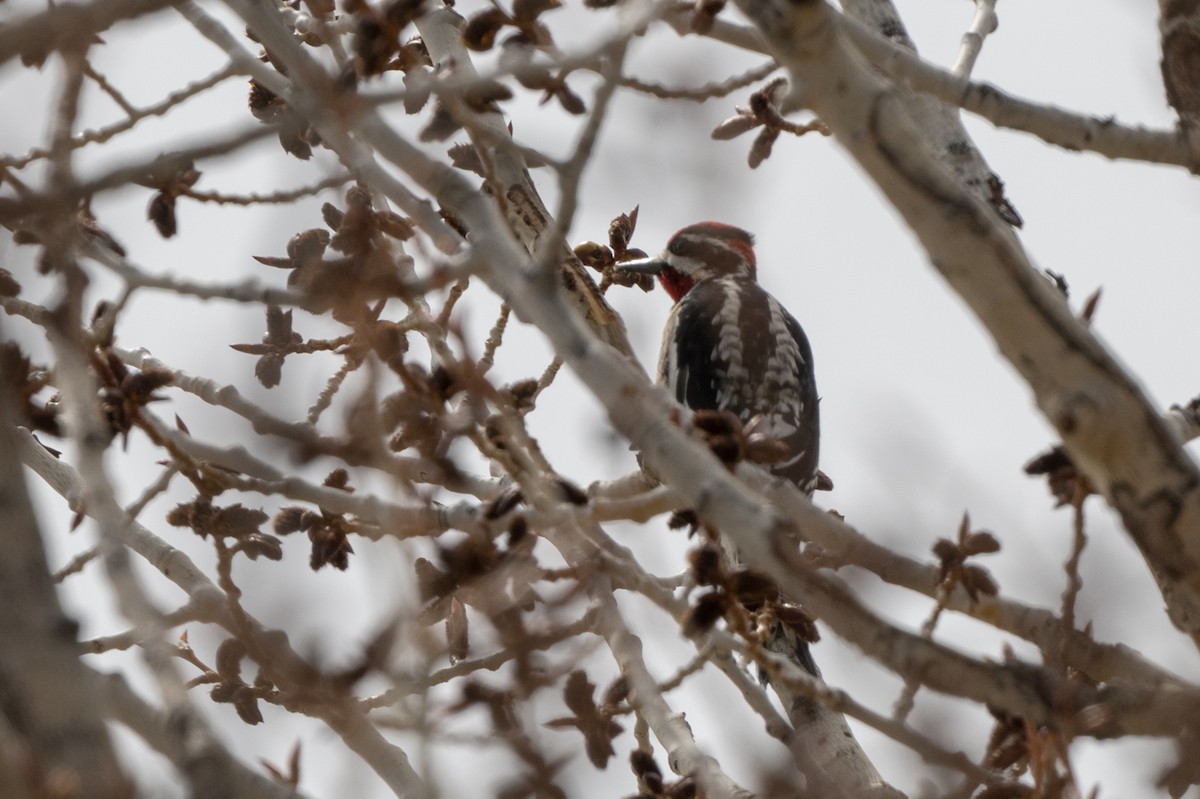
{"x":729,"y":345}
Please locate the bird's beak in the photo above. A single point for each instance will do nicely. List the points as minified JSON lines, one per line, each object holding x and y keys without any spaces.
{"x":642,"y":266}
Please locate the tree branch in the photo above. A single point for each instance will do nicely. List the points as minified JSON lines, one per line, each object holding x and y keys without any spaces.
{"x":1108,"y":425}
{"x":59,"y":728}
{"x":982,"y":24}
{"x":210,"y":769}
{"x":1071,"y":131}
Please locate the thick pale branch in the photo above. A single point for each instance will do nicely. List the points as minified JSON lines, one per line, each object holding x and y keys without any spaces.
{"x":841,"y":544}
{"x":669,"y":727}
{"x":800,"y":681}
{"x":1102,"y":135}
{"x":173,"y":564}
{"x":939,"y":123}
{"x":526,"y":213}
{"x":1061,"y":127}
{"x":1108,"y":425}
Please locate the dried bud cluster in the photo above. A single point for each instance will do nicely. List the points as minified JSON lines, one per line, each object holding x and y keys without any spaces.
{"x":595,"y":721}
{"x":732,"y":443}
{"x":376,"y":44}
{"x":232,"y":688}
{"x":124,"y":392}
{"x":277,"y":343}
{"x":296,"y":135}
{"x":752,"y":598}
{"x":235,"y":522}
{"x":20,"y":382}
{"x":952,"y":558}
{"x":604,"y":258}
{"x":365,"y":271}
{"x":1066,"y":484}
{"x":329,"y":533}
{"x":763,"y":112}
{"x":483,"y":27}
{"x":169,"y":186}
{"x":651,"y":781}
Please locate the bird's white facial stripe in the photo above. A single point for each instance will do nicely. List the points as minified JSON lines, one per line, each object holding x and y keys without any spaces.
{"x":692,"y":267}
{"x":701,"y":257}
{"x":729,"y":247}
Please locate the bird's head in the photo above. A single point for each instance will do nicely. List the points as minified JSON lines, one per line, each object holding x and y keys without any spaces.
{"x":699,"y":252}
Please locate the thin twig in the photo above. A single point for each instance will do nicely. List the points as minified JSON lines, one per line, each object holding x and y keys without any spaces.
{"x":492,"y":662}
{"x":570,"y":173}
{"x":325,"y":398}
{"x":77,"y":563}
{"x":456,"y":292}
{"x":153,"y":490}
{"x":302,"y":433}
{"x":109,"y":89}
{"x":1071,"y":567}
{"x":495,"y":336}
{"x":104,"y":134}
{"x":904,"y":703}
{"x":708,"y":91}
{"x":687,"y":670}
{"x":248,"y":291}
{"x":547,"y":377}
{"x":274,"y":198}
{"x":983,"y":23}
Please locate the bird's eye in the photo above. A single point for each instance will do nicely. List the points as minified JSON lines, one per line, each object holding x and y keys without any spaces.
{"x":676,"y":247}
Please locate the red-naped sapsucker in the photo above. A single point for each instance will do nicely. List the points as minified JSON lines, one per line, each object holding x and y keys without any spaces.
{"x":729,"y":345}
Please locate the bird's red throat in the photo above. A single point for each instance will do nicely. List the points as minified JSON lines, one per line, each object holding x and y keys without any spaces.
{"x":675,"y":283}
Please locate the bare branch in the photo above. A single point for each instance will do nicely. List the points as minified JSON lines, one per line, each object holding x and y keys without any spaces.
{"x":703,"y":93}
{"x":210,"y":768}
{"x":35,"y":36}
{"x":137,"y":115}
{"x":62,"y":728}
{"x":1102,"y":135}
{"x":1106,"y":421}
{"x":983,"y":23}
